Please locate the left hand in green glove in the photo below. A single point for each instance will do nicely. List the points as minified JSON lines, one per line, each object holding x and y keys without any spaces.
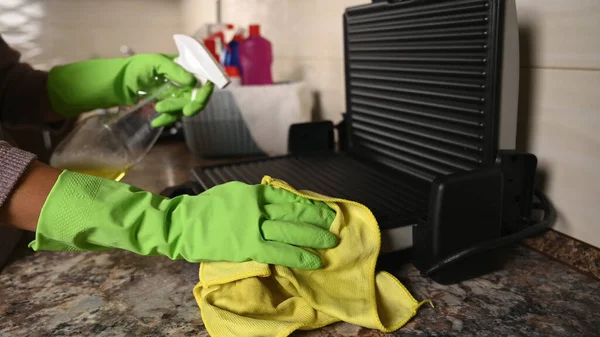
{"x":104,"y":83}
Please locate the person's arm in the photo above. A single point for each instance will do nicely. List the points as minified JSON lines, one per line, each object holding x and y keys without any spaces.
{"x":22,"y":209}
{"x":24,"y":96}
{"x":237,"y":222}
{"x":33,"y":97}
{"x":24,"y":185}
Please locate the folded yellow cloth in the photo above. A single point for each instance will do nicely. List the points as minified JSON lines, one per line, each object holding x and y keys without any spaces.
{"x":252,"y":299}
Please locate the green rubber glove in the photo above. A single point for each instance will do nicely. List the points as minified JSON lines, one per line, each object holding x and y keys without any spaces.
{"x":186,"y":102}
{"x":231,"y":222}
{"x":104,"y":83}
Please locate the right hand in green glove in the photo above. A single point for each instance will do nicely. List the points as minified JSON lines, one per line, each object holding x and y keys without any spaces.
{"x":231,"y":222}
{"x":103,"y":83}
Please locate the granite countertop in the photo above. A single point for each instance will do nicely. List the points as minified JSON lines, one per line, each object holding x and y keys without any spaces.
{"x":116,"y":293}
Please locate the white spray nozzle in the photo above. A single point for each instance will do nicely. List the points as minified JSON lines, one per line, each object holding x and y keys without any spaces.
{"x":196,"y":59}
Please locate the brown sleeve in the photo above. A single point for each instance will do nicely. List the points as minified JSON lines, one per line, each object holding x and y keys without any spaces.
{"x":23,"y":94}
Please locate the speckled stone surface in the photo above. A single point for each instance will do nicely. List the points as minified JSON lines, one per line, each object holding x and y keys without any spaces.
{"x":567,"y":250}
{"x":116,"y":293}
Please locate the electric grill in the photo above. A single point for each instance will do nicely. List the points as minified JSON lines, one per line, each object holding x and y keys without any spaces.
{"x":428,"y":138}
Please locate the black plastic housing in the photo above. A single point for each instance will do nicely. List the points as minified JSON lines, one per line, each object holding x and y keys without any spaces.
{"x":519,"y":184}
{"x":464,"y":209}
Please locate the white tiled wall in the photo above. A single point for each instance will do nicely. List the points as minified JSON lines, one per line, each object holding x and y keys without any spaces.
{"x":560,"y":86}
{"x":49,"y":32}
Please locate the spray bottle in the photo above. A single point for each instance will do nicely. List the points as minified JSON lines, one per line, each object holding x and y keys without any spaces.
{"x":109,"y":144}
{"x":196,"y":59}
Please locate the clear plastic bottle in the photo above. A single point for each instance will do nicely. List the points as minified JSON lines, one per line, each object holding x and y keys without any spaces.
{"x":256,"y":58}
{"x":109,"y":144}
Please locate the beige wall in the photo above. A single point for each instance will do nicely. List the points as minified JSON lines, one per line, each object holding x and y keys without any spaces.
{"x":560,"y":106}
{"x":50,"y":32}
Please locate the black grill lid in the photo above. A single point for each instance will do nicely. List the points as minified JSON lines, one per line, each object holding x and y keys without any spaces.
{"x":421,"y":84}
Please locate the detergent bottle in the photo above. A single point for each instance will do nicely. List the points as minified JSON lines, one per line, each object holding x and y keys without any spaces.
{"x":232,"y":54}
{"x":256,"y":58}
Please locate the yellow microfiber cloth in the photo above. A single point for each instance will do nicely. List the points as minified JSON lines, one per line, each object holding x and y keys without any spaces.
{"x":252,"y":299}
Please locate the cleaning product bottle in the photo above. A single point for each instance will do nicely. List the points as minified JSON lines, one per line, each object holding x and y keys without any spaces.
{"x":212,"y":36}
{"x":232,"y":55}
{"x":216,"y":45}
{"x":256,"y":58}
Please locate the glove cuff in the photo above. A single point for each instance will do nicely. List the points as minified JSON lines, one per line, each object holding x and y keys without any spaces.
{"x":87,"y":213}
{"x":64,"y":216}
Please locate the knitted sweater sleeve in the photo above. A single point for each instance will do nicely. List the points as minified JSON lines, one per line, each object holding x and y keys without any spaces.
{"x":13,"y":164}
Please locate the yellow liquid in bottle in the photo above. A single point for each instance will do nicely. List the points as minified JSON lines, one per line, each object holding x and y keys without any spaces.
{"x":108,"y":168}
{"x":115,"y":174}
